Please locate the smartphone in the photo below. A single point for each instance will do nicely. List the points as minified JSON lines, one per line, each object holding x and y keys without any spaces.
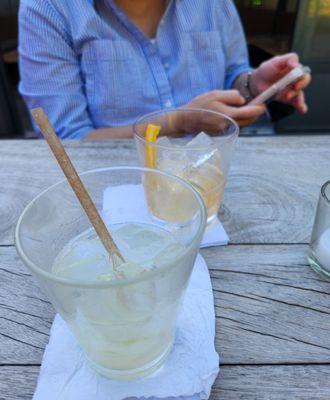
{"x":293,"y":76}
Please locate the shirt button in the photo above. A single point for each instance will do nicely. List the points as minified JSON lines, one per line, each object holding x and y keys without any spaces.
{"x":168,"y":104}
{"x":167,"y":65}
{"x":161,"y":22}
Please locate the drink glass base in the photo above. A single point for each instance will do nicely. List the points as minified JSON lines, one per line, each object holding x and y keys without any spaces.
{"x":317,"y":267}
{"x":211,"y":220}
{"x":132,"y":374}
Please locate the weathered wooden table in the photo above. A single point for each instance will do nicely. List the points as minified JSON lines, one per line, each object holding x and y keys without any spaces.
{"x":273,"y":312}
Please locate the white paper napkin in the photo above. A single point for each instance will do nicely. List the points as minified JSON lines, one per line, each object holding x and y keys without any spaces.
{"x":188,"y":372}
{"x":115,"y":204}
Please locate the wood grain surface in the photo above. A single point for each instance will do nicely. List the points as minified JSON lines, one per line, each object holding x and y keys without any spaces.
{"x":273,"y":324}
{"x":270,"y":307}
{"x":270,"y":197}
{"x":298,"y":382}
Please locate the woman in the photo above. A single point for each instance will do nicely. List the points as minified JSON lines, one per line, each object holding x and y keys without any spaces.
{"x":96,"y":65}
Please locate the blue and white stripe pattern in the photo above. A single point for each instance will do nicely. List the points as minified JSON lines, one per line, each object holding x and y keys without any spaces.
{"x":88,"y":66}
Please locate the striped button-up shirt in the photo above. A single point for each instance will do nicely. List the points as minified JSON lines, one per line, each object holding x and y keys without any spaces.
{"x":89,"y":66}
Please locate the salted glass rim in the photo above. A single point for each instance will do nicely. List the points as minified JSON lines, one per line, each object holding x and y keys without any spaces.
{"x":323,"y":191}
{"x":229,"y":136}
{"x":122,"y":282}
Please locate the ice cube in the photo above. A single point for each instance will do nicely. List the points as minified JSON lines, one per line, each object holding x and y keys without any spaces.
{"x":200,"y":156}
{"x":201,"y":140}
{"x":173,"y":142}
{"x":140,"y":244}
{"x":202,"y":159}
{"x":106,"y":277}
{"x":170,"y":152}
{"x":130,"y":270}
{"x":164,"y":141}
{"x":175,"y":167}
{"x":83,"y":260}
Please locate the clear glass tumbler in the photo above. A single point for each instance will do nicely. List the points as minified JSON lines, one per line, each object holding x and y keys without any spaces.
{"x":124,"y":326}
{"x":319,"y":252}
{"x":183,"y":149}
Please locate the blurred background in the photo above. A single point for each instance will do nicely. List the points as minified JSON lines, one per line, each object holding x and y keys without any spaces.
{"x":272,"y":27}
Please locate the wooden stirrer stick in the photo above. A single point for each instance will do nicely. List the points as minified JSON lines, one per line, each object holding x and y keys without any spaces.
{"x":73,"y":178}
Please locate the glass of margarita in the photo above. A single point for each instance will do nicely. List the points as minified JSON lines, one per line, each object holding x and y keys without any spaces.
{"x":193,"y":144}
{"x":123,"y":316}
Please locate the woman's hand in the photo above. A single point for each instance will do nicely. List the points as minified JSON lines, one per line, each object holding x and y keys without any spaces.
{"x":274,"y":69}
{"x":228,"y":102}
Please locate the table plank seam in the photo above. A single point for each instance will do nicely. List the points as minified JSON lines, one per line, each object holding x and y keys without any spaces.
{"x":291,"y":339}
{"x":257,"y":332}
{"x":4,"y":365}
{"x":14,"y":273}
{"x":22,"y":324}
{"x":238,"y":295}
{"x":229,"y":244}
{"x":259,"y":297}
{"x":21,"y":312}
{"x":232,"y":271}
{"x":250,"y":365}
{"x":20,"y":341}
{"x":292,"y":304}
{"x":266,"y":244}
{"x":280,"y":364}
{"x":293,"y":286}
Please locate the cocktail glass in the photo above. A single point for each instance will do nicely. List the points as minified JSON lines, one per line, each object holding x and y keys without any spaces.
{"x":194,"y":144}
{"x":319,"y":249}
{"x":124,"y":326}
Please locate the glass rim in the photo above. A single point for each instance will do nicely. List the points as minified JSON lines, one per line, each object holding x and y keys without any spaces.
{"x":116,"y":283}
{"x":230,"y":136}
{"x":323,"y":192}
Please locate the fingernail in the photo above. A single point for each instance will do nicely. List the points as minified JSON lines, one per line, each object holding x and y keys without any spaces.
{"x":293,"y":64}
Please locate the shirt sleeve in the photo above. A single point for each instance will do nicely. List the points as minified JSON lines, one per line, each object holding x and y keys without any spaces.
{"x":49,"y":69}
{"x":235,"y":47}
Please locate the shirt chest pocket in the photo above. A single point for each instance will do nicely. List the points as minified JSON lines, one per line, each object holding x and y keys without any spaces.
{"x":207,"y":66}
{"x":112,"y":78}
